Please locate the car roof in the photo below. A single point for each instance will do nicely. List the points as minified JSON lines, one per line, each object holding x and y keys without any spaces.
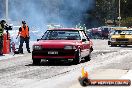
{"x":65,"y":29}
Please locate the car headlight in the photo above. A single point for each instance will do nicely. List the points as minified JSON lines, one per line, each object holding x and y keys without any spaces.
{"x":37,"y":47}
{"x":113,"y":39}
{"x":69,"y":47}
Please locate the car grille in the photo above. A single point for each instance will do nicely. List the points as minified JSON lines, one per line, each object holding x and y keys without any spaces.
{"x":61,"y":52}
{"x":47,"y":49}
{"x":122,"y":40}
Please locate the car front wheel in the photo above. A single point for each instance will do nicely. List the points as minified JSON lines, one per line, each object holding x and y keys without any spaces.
{"x":77,"y":58}
{"x":88,"y":57}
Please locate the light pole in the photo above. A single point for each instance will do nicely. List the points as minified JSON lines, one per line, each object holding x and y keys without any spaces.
{"x":7,"y":11}
{"x":119,"y":13}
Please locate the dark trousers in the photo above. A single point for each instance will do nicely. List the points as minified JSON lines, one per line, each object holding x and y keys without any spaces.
{"x":1,"y":44}
{"x":22,"y":40}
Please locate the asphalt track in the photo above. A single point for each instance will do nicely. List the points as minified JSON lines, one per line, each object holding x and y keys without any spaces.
{"x":19,"y":72}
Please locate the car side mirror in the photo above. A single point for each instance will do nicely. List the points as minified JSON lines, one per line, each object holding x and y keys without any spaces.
{"x":38,"y":39}
{"x":83,"y":40}
{"x":88,"y":39}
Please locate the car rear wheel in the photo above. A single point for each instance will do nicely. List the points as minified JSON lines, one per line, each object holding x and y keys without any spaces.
{"x":77,"y":59}
{"x":36,"y":61}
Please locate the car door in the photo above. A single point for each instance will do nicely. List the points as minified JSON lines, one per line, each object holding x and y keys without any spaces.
{"x":85,"y":44}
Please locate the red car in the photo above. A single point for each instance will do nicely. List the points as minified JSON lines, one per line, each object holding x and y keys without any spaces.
{"x":62,"y":44}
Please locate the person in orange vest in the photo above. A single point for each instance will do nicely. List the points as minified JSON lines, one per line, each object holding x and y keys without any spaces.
{"x":2,"y":27}
{"x":24,"y":37}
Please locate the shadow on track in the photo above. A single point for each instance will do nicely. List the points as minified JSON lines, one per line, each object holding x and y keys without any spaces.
{"x":56,"y":63}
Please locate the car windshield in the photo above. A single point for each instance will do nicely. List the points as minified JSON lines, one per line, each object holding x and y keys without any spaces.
{"x":61,"y":35}
{"x":128,"y":32}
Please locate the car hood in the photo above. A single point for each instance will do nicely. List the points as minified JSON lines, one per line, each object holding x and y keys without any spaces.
{"x":57,"y":43}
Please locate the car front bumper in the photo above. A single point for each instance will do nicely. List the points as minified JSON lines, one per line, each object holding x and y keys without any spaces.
{"x":62,"y":54}
{"x":120,"y":43}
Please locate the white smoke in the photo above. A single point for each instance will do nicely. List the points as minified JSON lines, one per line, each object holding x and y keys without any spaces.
{"x":39,"y":13}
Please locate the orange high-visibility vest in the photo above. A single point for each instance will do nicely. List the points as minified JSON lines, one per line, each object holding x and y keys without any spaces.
{"x":25,"y":32}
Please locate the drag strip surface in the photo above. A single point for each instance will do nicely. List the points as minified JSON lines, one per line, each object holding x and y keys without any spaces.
{"x":19,"y":72}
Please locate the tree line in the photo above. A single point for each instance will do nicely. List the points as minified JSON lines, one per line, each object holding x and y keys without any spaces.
{"x":101,"y":11}
{"x":109,"y":10}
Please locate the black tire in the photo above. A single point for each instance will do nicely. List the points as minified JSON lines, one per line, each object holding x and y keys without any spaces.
{"x":36,"y":61}
{"x":77,"y":59}
{"x":88,"y":58}
{"x":109,"y":42}
{"x":91,"y":49}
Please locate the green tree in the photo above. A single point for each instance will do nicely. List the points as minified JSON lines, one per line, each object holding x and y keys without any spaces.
{"x":108,"y":10}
